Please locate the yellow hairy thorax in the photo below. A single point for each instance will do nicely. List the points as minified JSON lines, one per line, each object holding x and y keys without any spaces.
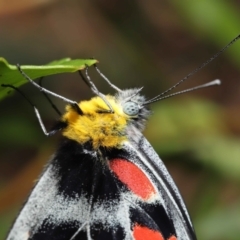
{"x":99,"y":127}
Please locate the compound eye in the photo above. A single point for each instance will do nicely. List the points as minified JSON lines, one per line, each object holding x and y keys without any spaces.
{"x":131,"y":108}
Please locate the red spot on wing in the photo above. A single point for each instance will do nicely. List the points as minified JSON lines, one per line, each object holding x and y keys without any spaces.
{"x":133,"y":177}
{"x":144,"y":233}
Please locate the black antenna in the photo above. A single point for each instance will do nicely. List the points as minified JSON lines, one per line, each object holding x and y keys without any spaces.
{"x":197,"y":69}
{"x":209,"y":84}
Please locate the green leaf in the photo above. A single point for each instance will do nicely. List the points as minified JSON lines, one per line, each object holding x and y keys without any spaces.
{"x":9,"y":74}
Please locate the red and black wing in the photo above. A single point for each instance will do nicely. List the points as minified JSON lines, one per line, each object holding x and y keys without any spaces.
{"x":108,"y":194}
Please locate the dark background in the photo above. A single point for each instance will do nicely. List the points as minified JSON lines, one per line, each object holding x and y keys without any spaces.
{"x":138,"y":43}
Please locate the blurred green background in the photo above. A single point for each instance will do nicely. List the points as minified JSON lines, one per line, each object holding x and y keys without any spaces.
{"x":138,"y":43}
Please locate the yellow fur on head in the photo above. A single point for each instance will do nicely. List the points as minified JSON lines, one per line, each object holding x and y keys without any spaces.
{"x":102,"y":129}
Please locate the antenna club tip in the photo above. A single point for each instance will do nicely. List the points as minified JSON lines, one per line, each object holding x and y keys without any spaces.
{"x":217,"y":82}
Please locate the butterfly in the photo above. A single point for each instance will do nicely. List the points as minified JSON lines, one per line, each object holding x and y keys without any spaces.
{"x":105,"y":181}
